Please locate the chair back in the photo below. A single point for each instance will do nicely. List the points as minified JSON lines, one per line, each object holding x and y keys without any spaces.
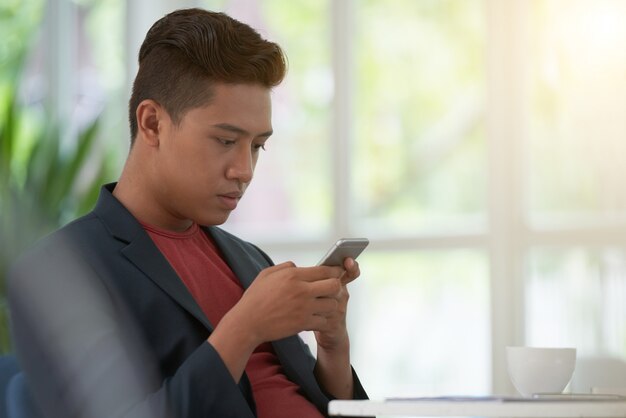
{"x":15,"y":398}
{"x":8,"y":368}
{"x":20,"y":403}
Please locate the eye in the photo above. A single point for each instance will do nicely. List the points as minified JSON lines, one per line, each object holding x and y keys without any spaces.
{"x":258,"y":147}
{"x":226,"y":142}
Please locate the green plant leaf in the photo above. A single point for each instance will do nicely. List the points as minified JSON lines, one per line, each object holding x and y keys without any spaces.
{"x":7,"y":136}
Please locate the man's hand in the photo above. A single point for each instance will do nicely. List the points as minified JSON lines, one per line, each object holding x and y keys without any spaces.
{"x":334,"y":333}
{"x":282,"y":301}
{"x":285,"y":300}
{"x":333,"y":370}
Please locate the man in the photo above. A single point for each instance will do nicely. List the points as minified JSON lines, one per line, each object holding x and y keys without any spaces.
{"x":211,"y":320}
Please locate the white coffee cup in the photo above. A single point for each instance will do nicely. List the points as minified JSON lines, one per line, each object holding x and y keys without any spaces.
{"x":540,"y":370}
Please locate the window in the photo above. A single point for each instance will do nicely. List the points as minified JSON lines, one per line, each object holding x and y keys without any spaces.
{"x":479,"y":144}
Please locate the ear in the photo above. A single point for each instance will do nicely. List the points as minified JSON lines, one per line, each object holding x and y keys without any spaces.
{"x":150,"y":117}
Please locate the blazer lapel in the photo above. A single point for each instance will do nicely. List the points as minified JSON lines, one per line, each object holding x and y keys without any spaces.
{"x":143,"y":253}
{"x":244,"y":264}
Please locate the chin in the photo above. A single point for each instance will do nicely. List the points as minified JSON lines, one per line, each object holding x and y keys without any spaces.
{"x":213,"y":220}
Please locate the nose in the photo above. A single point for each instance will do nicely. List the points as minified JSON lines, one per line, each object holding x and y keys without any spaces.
{"x":241,"y":166}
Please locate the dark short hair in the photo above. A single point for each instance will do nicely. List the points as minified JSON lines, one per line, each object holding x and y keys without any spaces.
{"x":188,"y":50}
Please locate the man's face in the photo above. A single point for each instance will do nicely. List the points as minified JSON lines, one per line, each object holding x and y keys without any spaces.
{"x":205,"y":163}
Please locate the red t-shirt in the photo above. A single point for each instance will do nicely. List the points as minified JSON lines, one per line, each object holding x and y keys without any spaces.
{"x":214,"y":286}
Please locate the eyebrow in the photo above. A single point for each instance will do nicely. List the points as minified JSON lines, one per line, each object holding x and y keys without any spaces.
{"x":241,"y":131}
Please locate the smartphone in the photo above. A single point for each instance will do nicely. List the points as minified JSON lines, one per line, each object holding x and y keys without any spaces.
{"x":344,"y":248}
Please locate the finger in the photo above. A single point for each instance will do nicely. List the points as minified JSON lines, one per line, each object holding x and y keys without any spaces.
{"x":352,"y":270}
{"x":284,"y":265}
{"x":312,"y":274}
{"x":325,"y":307}
{"x":325,"y":288}
{"x":316,"y":323}
{"x":279,"y":267}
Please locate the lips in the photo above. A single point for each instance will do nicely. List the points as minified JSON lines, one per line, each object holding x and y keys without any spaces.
{"x":230,"y":200}
{"x":235,"y":195}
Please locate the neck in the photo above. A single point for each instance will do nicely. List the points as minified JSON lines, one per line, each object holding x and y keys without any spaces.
{"x":136,"y":193}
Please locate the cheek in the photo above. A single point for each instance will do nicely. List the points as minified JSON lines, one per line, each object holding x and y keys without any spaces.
{"x":192,"y":160}
{"x":179,"y":173}
{"x":255,"y":159}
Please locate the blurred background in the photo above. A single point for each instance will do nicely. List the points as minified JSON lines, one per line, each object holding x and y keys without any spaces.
{"x":479,"y":144}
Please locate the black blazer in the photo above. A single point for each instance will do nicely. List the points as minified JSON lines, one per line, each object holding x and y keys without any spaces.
{"x":103,"y":325}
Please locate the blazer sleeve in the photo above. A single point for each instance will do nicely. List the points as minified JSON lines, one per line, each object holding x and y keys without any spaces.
{"x":82,"y":358}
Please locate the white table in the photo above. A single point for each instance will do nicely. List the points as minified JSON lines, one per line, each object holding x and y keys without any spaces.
{"x":521,"y":408}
